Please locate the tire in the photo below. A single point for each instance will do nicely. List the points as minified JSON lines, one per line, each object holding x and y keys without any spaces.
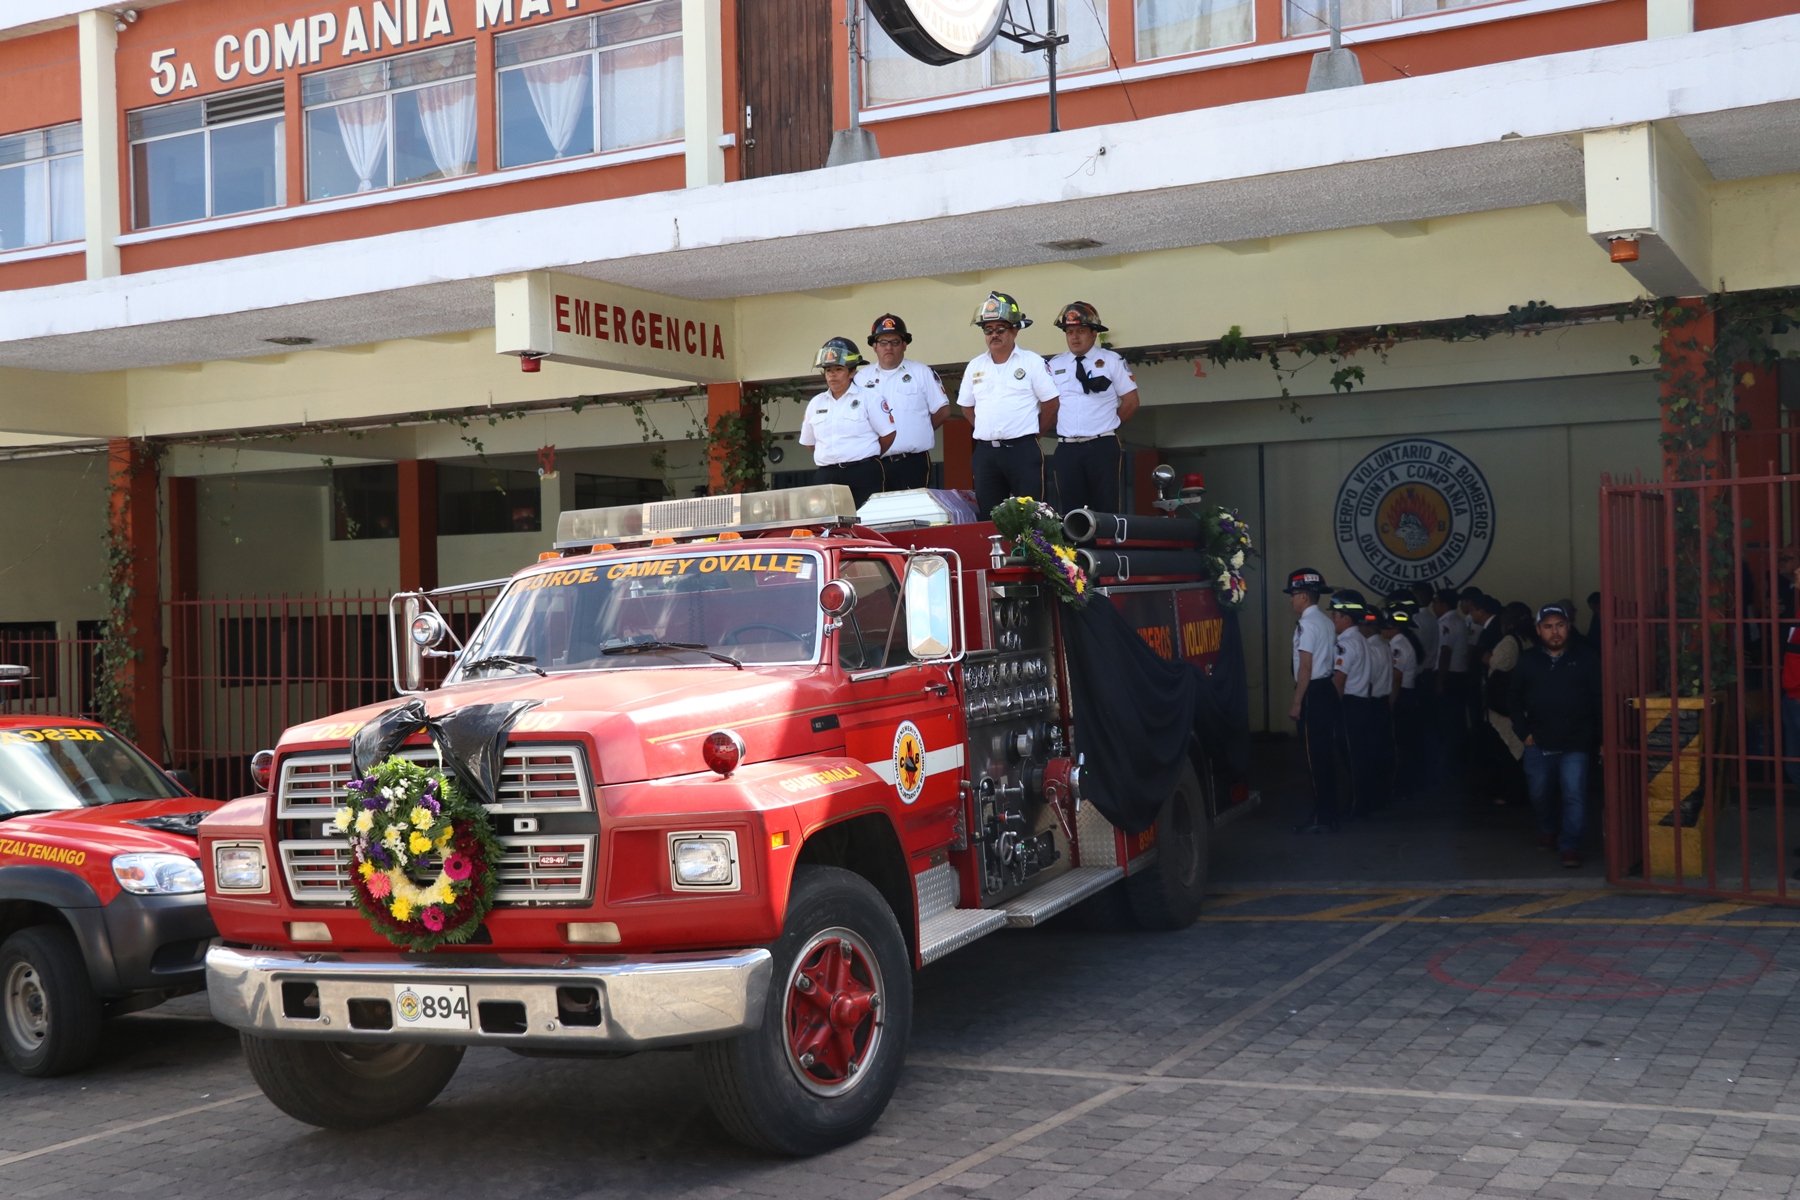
{"x":49,"y":1015}
{"x":349,"y":1085}
{"x":1167,"y":894}
{"x":766,"y":1088}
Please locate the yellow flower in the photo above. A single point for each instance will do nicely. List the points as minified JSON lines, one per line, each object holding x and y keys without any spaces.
{"x":366,"y":870}
{"x":420,"y":817}
{"x":342,"y":819}
{"x":401,"y":908}
{"x":365,"y":821}
{"x":444,"y":836}
{"x":418,"y":843}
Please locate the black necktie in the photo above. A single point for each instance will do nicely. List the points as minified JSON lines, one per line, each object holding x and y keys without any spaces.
{"x":1089,"y":383}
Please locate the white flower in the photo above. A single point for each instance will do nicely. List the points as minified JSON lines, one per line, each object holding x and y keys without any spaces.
{"x":1237,"y":560}
{"x":365,"y":821}
{"x":342,"y":819}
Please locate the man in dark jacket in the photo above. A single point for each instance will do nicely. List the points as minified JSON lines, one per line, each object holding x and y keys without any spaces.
{"x":1554,"y":703}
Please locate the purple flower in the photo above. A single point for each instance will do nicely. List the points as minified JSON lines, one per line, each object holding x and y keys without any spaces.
{"x":380,"y":856}
{"x":371,"y":801}
{"x":431,"y":802}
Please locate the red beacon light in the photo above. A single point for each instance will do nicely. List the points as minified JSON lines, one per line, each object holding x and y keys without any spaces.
{"x":723,"y":750}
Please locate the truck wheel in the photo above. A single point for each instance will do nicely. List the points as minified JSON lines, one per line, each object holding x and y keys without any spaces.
{"x":1167,"y":893}
{"x":349,"y":1085}
{"x":49,"y":1015}
{"x":821,"y":1069}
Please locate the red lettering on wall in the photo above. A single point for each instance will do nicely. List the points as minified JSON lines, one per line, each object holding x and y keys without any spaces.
{"x":619,"y":326}
{"x":637,"y":326}
{"x":584,"y":321}
{"x":718,"y":350}
{"x":656,"y":324}
{"x":673,"y":326}
{"x":562,"y":314}
{"x":687,"y":336}
{"x":600,"y":322}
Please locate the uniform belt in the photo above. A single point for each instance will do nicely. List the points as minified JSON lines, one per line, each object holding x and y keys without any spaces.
{"x":1090,"y":438}
{"x":996,"y":443}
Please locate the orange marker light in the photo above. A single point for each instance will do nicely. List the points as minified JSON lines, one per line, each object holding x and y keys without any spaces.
{"x":597,"y":547}
{"x":778,"y":840}
{"x":547,"y":555}
{"x":729,"y":536}
{"x":662,"y":541}
{"x":802,"y":533}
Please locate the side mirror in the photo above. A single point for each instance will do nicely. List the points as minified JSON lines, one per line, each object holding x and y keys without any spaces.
{"x":185,"y":778}
{"x":412,"y":663}
{"x":928,"y":604}
{"x":837,"y":598}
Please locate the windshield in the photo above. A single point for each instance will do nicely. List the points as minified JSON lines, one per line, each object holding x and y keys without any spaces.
{"x":653,"y":612}
{"x":74,"y":767}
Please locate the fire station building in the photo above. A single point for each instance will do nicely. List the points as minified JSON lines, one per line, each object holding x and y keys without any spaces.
{"x":303,"y":302}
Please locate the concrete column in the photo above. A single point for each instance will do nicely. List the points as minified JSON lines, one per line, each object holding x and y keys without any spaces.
{"x":1688,"y":347}
{"x":703,"y":90}
{"x":722,"y":400}
{"x":100,"y":141}
{"x":184,"y":624}
{"x":131,"y":475}
{"x":418,"y":525}
{"x":1668,"y":18}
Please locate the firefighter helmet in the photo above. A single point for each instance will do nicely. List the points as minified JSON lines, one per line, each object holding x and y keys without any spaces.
{"x":1080,"y":312}
{"x":839,"y":352}
{"x":1001,"y":307}
{"x":889,"y":323}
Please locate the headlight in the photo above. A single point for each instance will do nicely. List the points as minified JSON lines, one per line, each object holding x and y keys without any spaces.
{"x":703,"y":861}
{"x":158,"y":874}
{"x":240,"y":867}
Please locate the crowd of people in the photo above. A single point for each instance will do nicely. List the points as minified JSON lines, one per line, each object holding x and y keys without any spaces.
{"x":1401,"y":696}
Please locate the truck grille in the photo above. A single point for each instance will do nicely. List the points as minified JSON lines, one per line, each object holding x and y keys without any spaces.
{"x":533,"y":779}
{"x":552,"y":869}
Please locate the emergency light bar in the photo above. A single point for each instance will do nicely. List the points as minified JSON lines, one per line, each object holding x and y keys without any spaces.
{"x":821,"y":504}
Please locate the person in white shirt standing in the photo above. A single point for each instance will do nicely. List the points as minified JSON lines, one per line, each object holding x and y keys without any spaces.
{"x":1316,"y":707}
{"x":847,"y":435}
{"x":1014,"y":400}
{"x":1378,"y":669}
{"x":1098,"y":395}
{"x":1452,"y":679}
{"x":1398,"y":629}
{"x":912,"y":394}
{"x":1351,"y":675}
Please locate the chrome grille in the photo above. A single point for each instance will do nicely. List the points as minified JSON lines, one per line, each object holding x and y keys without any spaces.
{"x":318,"y":872}
{"x":549,"y":869}
{"x":534,"y":778}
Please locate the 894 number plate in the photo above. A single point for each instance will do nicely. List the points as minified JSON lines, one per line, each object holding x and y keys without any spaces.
{"x":431,"y":1006}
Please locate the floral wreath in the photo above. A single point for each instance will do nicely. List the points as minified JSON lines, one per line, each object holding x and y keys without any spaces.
{"x":1036,"y":532}
{"x":1225,"y":544}
{"x":405,"y":823}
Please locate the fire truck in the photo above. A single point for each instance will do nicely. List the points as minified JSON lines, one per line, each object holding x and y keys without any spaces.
{"x":780,"y":757}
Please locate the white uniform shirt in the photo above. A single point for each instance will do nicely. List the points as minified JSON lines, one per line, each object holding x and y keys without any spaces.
{"x":845,"y":430}
{"x":1453,"y":632}
{"x":1352,"y":660}
{"x":1378,"y":667}
{"x":912,"y":392}
{"x":1006,"y":396}
{"x":1406,"y":661}
{"x":1082,"y":414}
{"x":1425,"y":626}
{"x":1315,"y":634}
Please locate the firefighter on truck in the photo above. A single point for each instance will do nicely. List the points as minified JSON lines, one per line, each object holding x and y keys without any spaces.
{"x":742,"y":764}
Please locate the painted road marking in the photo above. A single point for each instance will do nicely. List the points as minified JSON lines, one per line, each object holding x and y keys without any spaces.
{"x":1597,"y":968}
{"x":1712,"y":914}
{"x":127,"y":1128}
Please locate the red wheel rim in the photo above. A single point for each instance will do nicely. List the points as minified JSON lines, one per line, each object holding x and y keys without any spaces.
{"x":833,"y":1012}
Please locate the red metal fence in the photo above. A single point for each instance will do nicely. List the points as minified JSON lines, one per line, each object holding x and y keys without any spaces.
{"x":1695,"y":606}
{"x":64,"y":672}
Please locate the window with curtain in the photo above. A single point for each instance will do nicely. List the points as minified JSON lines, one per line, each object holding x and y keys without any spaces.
{"x":590,"y":84}
{"x":891,"y":76}
{"x":394,"y":121}
{"x":1311,"y":16}
{"x":1170,"y":27}
{"x":40,"y":187}
{"x":208,"y":158}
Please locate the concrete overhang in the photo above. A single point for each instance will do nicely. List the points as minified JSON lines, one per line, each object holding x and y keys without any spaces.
{"x":1496,"y":137}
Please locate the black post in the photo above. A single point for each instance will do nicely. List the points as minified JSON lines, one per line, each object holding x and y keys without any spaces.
{"x":1051,"y":50}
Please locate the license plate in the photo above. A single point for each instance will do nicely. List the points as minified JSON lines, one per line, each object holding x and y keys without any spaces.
{"x":430,"y":1006}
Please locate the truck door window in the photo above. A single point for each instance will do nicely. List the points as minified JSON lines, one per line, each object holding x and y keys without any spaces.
{"x":874,"y":631}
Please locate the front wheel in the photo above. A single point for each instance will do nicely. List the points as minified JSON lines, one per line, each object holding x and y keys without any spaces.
{"x":49,"y":1015}
{"x":1167,"y":894}
{"x":349,"y":1085}
{"x":821,"y":1069}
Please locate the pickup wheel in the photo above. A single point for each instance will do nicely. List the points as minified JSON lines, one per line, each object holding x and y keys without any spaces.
{"x":822,"y":1067}
{"x":1167,"y":894}
{"x":349,"y":1085}
{"x":49,"y":1015}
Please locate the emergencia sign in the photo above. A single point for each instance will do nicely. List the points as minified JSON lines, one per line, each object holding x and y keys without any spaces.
{"x":568,"y":319}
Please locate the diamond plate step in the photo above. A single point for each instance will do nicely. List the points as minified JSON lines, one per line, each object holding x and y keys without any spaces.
{"x":1066,"y":890}
{"x":956,"y":928}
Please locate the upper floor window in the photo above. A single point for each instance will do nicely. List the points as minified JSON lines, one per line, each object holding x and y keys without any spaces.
{"x":1309,"y":16}
{"x":40,"y":187}
{"x":603,"y":82}
{"x":208,"y":158}
{"x":405,"y":119}
{"x":892,"y":75}
{"x":1170,"y":27}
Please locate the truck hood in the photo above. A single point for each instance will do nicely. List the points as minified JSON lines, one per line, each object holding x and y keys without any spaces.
{"x":107,"y":828}
{"x":643,"y":722}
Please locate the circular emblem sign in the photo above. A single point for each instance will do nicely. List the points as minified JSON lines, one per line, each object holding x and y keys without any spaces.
{"x":940,"y":31}
{"x":909,"y":761}
{"x":1414,"y":511}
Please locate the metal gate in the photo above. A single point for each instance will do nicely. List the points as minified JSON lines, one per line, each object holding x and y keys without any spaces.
{"x":1696,"y":600}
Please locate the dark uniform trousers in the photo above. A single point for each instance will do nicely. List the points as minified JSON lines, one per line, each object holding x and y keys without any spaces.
{"x":863,"y":477}
{"x":1087,"y":473}
{"x":1321,"y":728}
{"x":1362,"y":731}
{"x":906,"y":471}
{"x":1408,"y":715}
{"x":1014,"y":467}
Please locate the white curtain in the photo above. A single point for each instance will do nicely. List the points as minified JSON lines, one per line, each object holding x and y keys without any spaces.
{"x":363,"y":126}
{"x":559,"y":92}
{"x":1083,"y":20}
{"x":68,"y":220}
{"x":892,"y":75}
{"x":1311,"y":16}
{"x":1166,"y":27}
{"x":640,"y":94}
{"x":281,"y":163}
{"x":35,"y":228}
{"x":447,"y":113}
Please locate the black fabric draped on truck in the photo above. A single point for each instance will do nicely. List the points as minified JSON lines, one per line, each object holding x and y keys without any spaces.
{"x":470,"y":740}
{"x":1135,"y":712}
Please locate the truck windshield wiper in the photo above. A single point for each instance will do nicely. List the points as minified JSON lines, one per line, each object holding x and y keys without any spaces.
{"x":653,"y":647}
{"x":26,"y":812}
{"x":522,"y":661}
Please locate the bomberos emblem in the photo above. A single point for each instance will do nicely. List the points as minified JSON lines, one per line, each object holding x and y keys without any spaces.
{"x":909,"y":762}
{"x":1414,"y":511}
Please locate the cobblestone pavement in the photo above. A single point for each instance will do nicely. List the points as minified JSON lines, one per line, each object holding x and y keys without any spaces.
{"x":1383,"y":1044}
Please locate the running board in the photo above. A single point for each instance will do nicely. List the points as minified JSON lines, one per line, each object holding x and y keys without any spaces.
{"x":1067,"y":890}
{"x":955,"y":928}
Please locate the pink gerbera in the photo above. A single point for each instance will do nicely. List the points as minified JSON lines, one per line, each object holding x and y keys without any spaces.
{"x":432,"y":918}
{"x":379,"y":885}
{"x":458,"y":866}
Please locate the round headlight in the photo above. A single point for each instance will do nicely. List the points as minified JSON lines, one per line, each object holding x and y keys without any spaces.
{"x":428,"y":629}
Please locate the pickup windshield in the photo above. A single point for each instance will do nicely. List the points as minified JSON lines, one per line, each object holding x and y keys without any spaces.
{"x":694,"y":608}
{"x":75,"y":766}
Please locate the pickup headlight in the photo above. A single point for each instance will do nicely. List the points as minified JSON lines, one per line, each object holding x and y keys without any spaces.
{"x":703,"y":862}
{"x":240,"y":867}
{"x":158,"y":874}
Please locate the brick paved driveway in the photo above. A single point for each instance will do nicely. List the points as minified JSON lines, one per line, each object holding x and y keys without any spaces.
{"x":1386,"y":1045}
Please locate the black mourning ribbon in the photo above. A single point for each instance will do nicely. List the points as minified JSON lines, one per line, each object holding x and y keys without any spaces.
{"x":470,"y":740}
{"x":1091,"y":384}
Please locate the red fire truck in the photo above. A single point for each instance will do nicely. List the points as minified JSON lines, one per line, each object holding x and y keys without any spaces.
{"x":779,"y":759}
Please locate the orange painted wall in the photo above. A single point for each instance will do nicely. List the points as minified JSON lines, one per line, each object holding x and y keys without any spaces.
{"x":1712,"y":14}
{"x":40,"y":81}
{"x":43,"y":272}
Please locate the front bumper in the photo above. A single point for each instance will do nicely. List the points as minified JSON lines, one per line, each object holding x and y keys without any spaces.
{"x":643,"y":1000}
